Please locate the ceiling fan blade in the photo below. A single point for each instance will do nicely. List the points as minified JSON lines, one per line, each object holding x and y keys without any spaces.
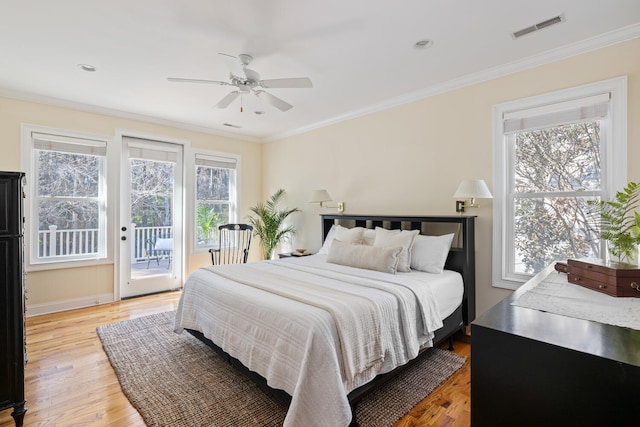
{"x":296,"y":82}
{"x":273,"y":100}
{"x":234,"y":65}
{"x":224,"y":102}
{"x":211,"y":82}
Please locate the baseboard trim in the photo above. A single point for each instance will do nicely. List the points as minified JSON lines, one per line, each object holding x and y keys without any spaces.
{"x":71,"y":304}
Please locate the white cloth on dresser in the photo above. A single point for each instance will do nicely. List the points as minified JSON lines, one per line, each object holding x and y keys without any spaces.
{"x":554,"y":294}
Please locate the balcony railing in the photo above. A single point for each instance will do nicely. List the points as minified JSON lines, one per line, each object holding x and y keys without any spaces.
{"x":54,"y":243}
{"x":61,"y":243}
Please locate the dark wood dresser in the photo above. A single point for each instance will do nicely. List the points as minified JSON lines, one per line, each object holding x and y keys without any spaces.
{"x":533,"y":368}
{"x":12,"y":329}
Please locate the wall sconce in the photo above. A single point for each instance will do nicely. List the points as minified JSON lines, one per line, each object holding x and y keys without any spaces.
{"x":471,"y":189}
{"x":322,"y":196}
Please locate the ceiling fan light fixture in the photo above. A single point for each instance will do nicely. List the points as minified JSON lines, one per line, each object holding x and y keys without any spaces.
{"x":423,"y":44}
{"x":232,"y":125}
{"x":87,"y":67}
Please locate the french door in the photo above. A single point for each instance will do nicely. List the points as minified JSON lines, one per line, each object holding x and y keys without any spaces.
{"x":151,"y":217}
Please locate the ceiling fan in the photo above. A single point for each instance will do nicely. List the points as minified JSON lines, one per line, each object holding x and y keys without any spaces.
{"x":247,"y":81}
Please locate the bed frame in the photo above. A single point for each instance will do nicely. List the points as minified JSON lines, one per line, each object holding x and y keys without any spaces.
{"x":461,"y":259}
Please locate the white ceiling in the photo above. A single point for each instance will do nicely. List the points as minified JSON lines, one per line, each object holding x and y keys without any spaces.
{"x":359,"y":54}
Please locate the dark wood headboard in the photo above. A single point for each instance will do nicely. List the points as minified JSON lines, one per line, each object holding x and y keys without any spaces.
{"x":461,"y":256}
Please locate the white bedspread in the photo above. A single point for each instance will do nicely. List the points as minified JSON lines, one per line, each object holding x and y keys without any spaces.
{"x":296,"y":346}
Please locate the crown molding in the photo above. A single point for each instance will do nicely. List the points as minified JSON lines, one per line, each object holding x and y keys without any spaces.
{"x":88,"y":108}
{"x":598,"y":42}
{"x":604,"y":40}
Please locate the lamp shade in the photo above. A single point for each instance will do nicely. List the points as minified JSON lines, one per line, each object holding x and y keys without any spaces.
{"x":320,"y":196}
{"x":472,"y":189}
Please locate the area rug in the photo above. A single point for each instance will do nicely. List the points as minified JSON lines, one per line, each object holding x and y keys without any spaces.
{"x":175,"y":380}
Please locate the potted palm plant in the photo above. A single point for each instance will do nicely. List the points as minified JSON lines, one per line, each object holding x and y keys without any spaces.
{"x":268,"y":224}
{"x":619,"y":223}
{"x":208,"y":221}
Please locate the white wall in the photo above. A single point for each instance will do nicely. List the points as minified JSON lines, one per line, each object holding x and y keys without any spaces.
{"x":51,"y":290}
{"x":410,"y":159}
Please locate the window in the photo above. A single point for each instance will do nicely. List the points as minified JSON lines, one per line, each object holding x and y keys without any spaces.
{"x":216,"y":196}
{"x":554,"y":153}
{"x":68,"y":198}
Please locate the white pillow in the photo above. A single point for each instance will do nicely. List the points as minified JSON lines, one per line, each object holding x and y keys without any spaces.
{"x":378,"y":258}
{"x":368,"y":237}
{"x":347,"y":235}
{"x":429,"y":253}
{"x":327,"y":240}
{"x":405,"y":239}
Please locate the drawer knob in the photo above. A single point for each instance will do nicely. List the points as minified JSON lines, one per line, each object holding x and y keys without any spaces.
{"x":601,"y":286}
{"x":635,"y":286}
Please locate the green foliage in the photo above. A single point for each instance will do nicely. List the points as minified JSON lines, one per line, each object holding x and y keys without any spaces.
{"x":208,"y":220}
{"x":268,"y":223}
{"x":619,"y":222}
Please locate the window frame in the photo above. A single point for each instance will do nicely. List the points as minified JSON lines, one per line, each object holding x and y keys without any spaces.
{"x":29,"y":164}
{"x":234,"y":193}
{"x":613,"y":162}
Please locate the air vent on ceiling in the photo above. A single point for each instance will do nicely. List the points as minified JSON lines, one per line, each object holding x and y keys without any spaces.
{"x":539,"y":26}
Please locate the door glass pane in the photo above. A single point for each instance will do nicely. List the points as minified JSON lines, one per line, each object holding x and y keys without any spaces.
{"x":152,"y":197}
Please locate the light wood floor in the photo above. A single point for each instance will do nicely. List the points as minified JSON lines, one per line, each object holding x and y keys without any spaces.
{"x":69,"y":381}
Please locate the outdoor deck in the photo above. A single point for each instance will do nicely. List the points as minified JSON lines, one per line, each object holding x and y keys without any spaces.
{"x":139,"y":269}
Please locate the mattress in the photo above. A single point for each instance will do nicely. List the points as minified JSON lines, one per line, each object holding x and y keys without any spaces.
{"x":296,"y":346}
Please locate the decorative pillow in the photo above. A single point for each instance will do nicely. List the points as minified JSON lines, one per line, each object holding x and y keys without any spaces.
{"x":405,"y":239}
{"x":347,"y":235}
{"x":378,"y":258}
{"x":429,"y":253}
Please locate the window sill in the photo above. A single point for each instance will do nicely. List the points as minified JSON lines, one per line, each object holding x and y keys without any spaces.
{"x":59,"y":265}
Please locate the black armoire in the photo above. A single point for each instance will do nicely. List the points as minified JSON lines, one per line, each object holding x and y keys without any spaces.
{"x":12,"y":328}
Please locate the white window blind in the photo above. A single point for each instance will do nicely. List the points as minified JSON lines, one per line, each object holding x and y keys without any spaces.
{"x":576,"y":111}
{"x":146,"y":149}
{"x":215,"y":161}
{"x":65,"y":144}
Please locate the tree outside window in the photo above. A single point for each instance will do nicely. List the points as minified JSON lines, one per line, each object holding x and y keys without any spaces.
{"x":551,"y":220}
{"x":70,"y":199}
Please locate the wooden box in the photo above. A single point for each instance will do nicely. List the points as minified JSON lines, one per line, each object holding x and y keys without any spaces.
{"x":612,"y":278}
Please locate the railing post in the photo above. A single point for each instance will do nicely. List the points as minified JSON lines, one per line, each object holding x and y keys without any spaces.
{"x":53,"y":240}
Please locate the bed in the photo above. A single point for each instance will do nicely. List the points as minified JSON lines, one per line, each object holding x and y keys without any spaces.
{"x":321,"y":332}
